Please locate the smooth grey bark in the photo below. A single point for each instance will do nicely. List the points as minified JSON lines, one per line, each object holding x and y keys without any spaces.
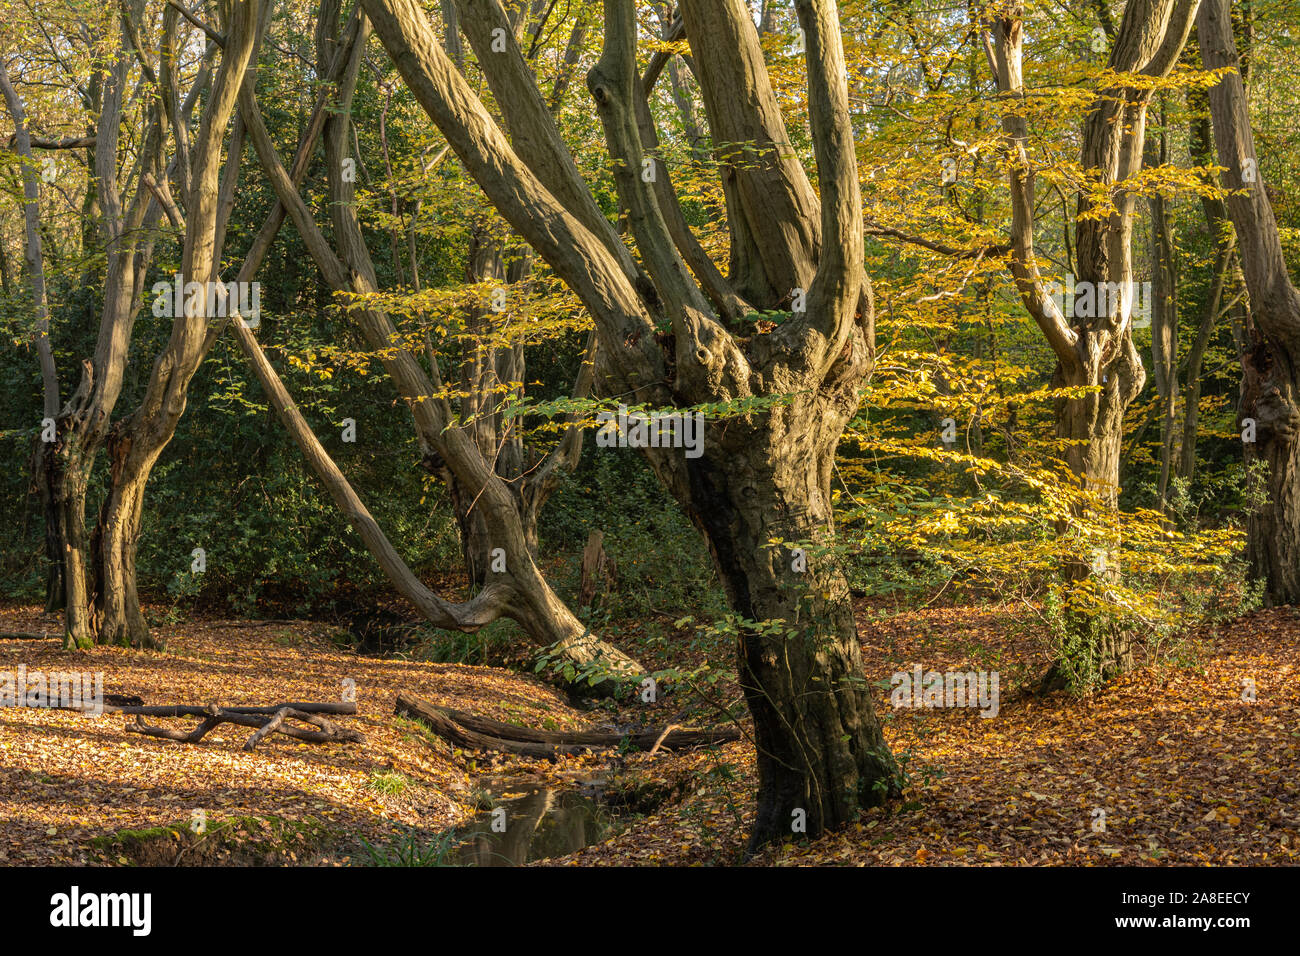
{"x":135,"y":443}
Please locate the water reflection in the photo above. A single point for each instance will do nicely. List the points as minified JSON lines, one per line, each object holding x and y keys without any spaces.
{"x":540,"y":822}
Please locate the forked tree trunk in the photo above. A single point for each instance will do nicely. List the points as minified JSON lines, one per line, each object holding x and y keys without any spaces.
{"x":126,"y":236}
{"x":1094,"y":346}
{"x":135,"y":443}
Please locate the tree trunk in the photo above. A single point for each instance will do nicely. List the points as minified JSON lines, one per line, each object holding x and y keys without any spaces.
{"x":64,"y":475}
{"x":120,"y":620}
{"x":1164,"y":324}
{"x":1271,"y":357}
{"x":43,"y":455}
{"x":820,"y":746}
{"x":136,"y":442}
{"x":1271,"y":397}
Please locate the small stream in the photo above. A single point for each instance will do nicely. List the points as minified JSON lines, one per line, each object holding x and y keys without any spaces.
{"x":541,"y":821}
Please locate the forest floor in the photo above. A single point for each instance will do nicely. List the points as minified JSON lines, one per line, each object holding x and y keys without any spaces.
{"x":1181,"y":769}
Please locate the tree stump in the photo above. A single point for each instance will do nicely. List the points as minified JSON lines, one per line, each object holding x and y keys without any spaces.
{"x":599,"y":573}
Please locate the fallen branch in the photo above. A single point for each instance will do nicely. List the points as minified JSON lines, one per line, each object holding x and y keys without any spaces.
{"x":660,"y":740}
{"x":45,"y":142}
{"x":267,"y":720}
{"x":472,"y":732}
{"x":344,"y":708}
{"x":270,"y":622}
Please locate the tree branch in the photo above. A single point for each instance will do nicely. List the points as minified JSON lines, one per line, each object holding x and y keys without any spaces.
{"x":1005,"y":54}
{"x":578,"y":256}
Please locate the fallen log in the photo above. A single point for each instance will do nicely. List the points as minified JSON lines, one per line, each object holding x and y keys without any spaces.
{"x":472,"y":732}
{"x":586,"y":738}
{"x":267,"y":721}
{"x":27,"y":636}
{"x":112,"y":704}
{"x":123,"y":700}
{"x":344,"y":708}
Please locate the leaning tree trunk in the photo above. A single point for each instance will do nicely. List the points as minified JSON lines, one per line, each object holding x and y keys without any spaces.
{"x":529,"y":600}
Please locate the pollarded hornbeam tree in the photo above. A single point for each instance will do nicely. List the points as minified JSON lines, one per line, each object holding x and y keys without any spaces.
{"x":207,"y":192}
{"x":114,"y":594}
{"x":1271,"y":363}
{"x":1094,"y":346}
{"x":668,"y":337}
